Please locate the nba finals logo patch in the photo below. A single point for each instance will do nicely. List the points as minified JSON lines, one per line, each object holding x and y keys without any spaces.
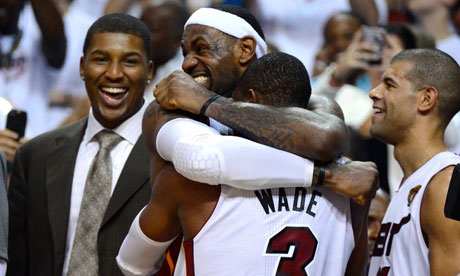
{"x":413,"y":192}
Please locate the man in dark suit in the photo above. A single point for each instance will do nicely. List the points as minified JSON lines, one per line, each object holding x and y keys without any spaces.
{"x":75,"y":191}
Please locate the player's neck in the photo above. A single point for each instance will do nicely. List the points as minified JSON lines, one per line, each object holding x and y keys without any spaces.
{"x":412,"y":153}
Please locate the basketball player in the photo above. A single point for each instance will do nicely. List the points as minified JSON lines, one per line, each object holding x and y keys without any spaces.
{"x":219,"y":44}
{"x":417,"y":98}
{"x":289,"y":231}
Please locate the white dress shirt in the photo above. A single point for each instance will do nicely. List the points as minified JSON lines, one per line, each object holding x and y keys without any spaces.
{"x":130,"y":130}
{"x":2,"y":267}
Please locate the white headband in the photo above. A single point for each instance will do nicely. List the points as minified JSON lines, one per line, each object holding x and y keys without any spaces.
{"x":227,"y":23}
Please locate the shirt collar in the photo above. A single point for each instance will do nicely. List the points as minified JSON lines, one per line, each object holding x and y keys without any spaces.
{"x":129,"y":130}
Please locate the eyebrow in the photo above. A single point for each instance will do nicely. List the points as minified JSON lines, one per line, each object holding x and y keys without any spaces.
{"x":197,"y":39}
{"x":102,"y":52}
{"x":389,"y":80}
{"x":133,"y":53}
{"x":98,"y":52}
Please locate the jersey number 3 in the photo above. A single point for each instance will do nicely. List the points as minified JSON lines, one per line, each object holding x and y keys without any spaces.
{"x":304,"y":243}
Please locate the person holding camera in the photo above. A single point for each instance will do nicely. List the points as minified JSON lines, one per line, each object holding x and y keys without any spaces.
{"x":33,"y":46}
{"x":348,"y":80}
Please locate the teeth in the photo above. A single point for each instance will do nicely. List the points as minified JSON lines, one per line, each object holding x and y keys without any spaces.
{"x":201,"y":79}
{"x":377,"y":110}
{"x":113,"y":90}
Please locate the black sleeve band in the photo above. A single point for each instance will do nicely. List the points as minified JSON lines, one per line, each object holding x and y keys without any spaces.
{"x":207,"y":103}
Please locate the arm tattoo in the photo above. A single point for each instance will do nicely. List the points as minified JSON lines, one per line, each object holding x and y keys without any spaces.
{"x":319,"y":135}
{"x":261,"y":124}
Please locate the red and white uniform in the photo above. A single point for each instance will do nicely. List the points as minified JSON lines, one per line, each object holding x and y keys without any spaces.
{"x":400,"y":248}
{"x":285,"y":230}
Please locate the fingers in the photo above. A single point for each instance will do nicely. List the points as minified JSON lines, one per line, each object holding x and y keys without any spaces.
{"x":357,"y":37}
{"x":162,"y":93}
{"x":9,"y":143}
{"x":9,"y":133}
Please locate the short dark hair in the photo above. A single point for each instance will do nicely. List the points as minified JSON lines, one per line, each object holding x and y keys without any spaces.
{"x":120,"y":23}
{"x":281,"y":80}
{"x":358,"y":18}
{"x":432,"y":67}
{"x":403,"y":32}
{"x":244,"y":14}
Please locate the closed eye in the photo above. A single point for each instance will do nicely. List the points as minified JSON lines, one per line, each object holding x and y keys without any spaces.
{"x":100,"y":59}
{"x":200,"y":49}
{"x":131,"y":61}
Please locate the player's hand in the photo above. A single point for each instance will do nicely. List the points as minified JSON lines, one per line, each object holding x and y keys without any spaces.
{"x":9,"y":143}
{"x":355,"y":179}
{"x":180,"y":91}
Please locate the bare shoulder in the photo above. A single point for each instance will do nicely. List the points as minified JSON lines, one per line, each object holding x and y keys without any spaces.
{"x":193,"y":201}
{"x":321,"y":103}
{"x":170,"y":183}
{"x":155,"y":117}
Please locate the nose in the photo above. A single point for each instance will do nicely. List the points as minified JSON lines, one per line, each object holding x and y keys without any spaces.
{"x":114,"y":71}
{"x":189,"y":63}
{"x":376,"y":93}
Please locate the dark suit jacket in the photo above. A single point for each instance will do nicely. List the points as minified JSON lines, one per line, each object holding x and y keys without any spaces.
{"x":3,"y":208}
{"x":39,"y":201}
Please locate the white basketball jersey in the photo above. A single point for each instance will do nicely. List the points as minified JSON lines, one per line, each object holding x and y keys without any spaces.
{"x":400,"y":248}
{"x":283,"y":231}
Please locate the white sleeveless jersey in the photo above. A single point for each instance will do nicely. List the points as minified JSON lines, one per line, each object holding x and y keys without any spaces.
{"x":400,"y":248}
{"x":283,"y":231}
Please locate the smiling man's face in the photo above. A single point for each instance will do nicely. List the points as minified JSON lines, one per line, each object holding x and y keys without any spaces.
{"x":210,"y":57}
{"x":395,"y":104}
{"x":115,"y":68}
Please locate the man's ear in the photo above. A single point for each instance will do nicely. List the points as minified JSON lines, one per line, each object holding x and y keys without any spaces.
{"x":248,"y":49}
{"x":150,"y":70}
{"x":252,"y":96}
{"x":82,"y":66}
{"x":427,"y":99}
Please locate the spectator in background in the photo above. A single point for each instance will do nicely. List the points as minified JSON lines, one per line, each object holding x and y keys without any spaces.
{"x":68,"y":93}
{"x":338,"y":33}
{"x":32,"y":48}
{"x":295,"y":26}
{"x":339,"y":81}
{"x":166,"y":24}
{"x":433,"y":17}
{"x":376,"y":212}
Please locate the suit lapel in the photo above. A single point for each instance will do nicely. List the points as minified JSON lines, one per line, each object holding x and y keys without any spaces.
{"x":134,"y":174}
{"x":60,"y":164}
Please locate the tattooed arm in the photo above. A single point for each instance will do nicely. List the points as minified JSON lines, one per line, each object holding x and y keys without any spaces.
{"x":318,"y":133}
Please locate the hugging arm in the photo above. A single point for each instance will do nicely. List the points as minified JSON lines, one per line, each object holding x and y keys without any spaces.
{"x":153,"y":230}
{"x":318,"y":133}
